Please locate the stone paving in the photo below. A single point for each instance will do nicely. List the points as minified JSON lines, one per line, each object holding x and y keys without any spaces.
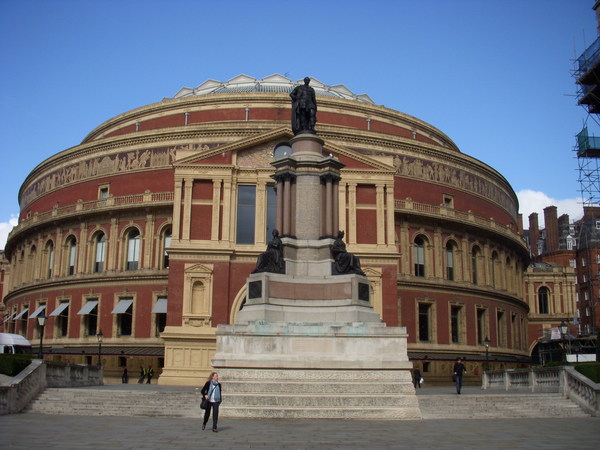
{"x":35,"y":431}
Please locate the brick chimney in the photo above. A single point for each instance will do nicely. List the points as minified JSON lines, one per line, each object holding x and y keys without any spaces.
{"x":551,"y":225}
{"x":534,"y":233}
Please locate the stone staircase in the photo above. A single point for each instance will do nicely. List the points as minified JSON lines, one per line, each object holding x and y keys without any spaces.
{"x":104,"y":401}
{"x":310,"y":394}
{"x":241,"y":401}
{"x":498,"y":406}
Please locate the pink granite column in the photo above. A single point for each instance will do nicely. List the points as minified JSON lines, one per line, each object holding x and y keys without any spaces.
{"x":287,"y":201}
{"x":336,"y":207}
{"x":328,"y":206}
{"x":279,"y":218}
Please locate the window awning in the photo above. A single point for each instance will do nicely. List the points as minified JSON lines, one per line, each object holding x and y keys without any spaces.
{"x":87,"y":308}
{"x":161,"y":306}
{"x":122,"y":306}
{"x":61,"y":307}
{"x":37,"y":312}
{"x":18,"y":316}
{"x":10,"y":317}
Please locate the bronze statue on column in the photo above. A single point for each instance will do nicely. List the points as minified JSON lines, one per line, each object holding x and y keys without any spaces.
{"x":304,"y":108}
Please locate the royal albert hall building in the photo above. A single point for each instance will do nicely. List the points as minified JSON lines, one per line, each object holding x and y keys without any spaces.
{"x":148,"y":229}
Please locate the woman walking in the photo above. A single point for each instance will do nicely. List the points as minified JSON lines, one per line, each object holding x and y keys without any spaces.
{"x":212,"y":392}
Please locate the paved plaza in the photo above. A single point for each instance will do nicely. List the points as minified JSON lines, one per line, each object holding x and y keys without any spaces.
{"x":36,"y":431}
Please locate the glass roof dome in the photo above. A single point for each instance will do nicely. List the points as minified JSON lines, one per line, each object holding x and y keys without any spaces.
{"x":272,"y":83}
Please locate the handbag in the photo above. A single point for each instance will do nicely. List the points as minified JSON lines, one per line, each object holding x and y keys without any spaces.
{"x":204,"y":403}
{"x":422,"y":380}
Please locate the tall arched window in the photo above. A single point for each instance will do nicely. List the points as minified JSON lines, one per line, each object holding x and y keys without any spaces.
{"x":133,"y":249}
{"x":72,"y":255}
{"x":49,"y":258}
{"x":166,"y":244}
{"x":475,"y":264}
{"x":543,"y":296}
{"x":450,"y":260}
{"x":419,"y":256}
{"x":100,"y":253}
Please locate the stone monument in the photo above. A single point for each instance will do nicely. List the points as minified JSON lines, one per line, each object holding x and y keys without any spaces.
{"x":307,"y":342}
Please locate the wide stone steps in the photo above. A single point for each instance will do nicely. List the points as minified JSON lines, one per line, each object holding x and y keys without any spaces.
{"x":299,"y":387}
{"x":495,"y":406}
{"x":315,"y":413}
{"x":106,"y":402}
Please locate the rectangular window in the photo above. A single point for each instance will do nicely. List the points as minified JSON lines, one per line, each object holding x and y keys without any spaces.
{"x":246,"y":213}
{"x":124,"y":312}
{"x":122,"y":361}
{"x":573,"y":263}
{"x":583,"y":262}
{"x":597,"y":224}
{"x":455,"y":323}
{"x":103,"y":195}
{"x":424,"y":322}
{"x":160,"y":309}
{"x":450,"y":264}
{"x":61,"y":321}
{"x":448,"y":201}
{"x":501,"y":328}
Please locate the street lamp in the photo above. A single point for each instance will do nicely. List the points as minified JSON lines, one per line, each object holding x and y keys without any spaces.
{"x":100,"y":336}
{"x":42,"y":323}
{"x":487,"y":358}
{"x":564,"y":329}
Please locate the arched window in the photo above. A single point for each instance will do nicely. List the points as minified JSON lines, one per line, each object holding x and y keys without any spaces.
{"x":419,"y":256}
{"x":166,"y":244}
{"x":100,"y":252}
{"x":475,"y":264}
{"x":543,"y":296}
{"x":450,"y":260}
{"x":133,"y":249}
{"x":49,"y":258}
{"x":72,"y":255}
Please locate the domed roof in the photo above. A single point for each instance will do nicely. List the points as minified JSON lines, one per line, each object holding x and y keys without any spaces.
{"x":272,"y":83}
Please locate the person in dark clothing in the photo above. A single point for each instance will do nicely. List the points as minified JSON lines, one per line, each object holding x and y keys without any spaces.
{"x":142,"y":375}
{"x":212,"y":392}
{"x":417,"y":377}
{"x":125,"y":376}
{"x":149,"y":374}
{"x":459,"y":371}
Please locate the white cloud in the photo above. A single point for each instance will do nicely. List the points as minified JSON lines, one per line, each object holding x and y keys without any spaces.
{"x":535,"y":201}
{"x":5,"y":228}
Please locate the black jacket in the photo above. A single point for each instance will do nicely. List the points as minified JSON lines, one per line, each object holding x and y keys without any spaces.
{"x":204,"y":390}
{"x":459,"y":368}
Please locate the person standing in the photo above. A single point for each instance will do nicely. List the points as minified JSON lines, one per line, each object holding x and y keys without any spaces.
{"x":142,"y":375}
{"x":125,"y":376}
{"x":417,"y":377}
{"x":150,"y":374}
{"x":459,"y":371}
{"x":212,"y":392}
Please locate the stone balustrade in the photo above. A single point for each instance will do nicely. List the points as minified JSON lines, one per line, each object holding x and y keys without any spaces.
{"x":408,"y":205}
{"x":111,"y":202}
{"x":564,"y":380}
{"x":41,"y":374}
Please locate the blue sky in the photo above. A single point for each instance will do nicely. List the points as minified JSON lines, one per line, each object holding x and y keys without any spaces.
{"x":494,"y":75}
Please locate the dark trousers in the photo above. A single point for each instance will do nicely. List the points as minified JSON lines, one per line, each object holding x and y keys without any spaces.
{"x":215,"y":408}
{"x":458,"y":383}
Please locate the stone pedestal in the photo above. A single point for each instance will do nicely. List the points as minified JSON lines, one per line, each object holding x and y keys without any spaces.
{"x":308,"y":343}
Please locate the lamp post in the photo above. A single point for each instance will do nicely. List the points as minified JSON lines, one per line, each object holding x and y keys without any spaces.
{"x":100,"y":336}
{"x":42,"y":323}
{"x":487,"y":356}
{"x":564,"y":329}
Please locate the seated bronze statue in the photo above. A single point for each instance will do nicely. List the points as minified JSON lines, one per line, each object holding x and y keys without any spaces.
{"x":343,"y":262}
{"x":271,"y":260}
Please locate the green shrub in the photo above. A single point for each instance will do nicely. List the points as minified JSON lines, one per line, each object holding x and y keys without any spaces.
{"x":12,"y":365}
{"x":554,"y":364}
{"x":590,"y":370}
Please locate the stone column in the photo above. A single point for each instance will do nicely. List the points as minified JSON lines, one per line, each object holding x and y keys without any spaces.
{"x":352,"y":213}
{"x":148,"y":241}
{"x":380,"y":211}
{"x":216,"y":210}
{"x":342,"y":208}
{"x":287,"y":204}
{"x":390,"y":208}
{"x":279,"y":218}
{"x":336,"y":207}
{"x":328,"y":206}
{"x":177,"y":210}
{"x":187,"y":208}
{"x":225,"y":228}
